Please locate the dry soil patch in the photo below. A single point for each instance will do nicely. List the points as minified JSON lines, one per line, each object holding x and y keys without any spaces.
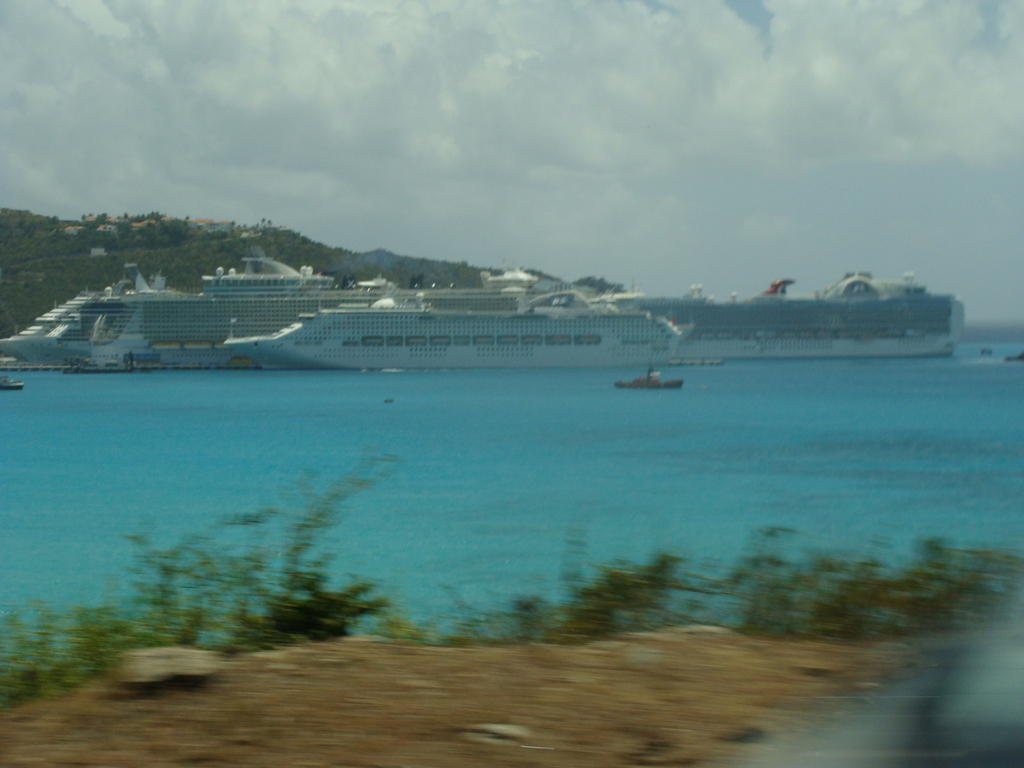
{"x":670,"y":698}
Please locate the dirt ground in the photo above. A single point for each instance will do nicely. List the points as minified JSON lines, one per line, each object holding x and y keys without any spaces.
{"x":676,"y":697}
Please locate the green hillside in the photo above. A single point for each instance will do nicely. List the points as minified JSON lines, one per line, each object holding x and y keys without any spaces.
{"x":43,"y":264}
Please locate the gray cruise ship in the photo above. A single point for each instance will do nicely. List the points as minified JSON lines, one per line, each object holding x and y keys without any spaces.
{"x":858,"y":316}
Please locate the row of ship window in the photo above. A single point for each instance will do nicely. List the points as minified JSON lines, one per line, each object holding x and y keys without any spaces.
{"x":587,"y":339}
{"x":822,"y":334}
{"x":570,"y":323}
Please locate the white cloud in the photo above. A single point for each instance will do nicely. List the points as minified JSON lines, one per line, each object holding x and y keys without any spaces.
{"x":595,"y":86}
{"x":96,"y":16}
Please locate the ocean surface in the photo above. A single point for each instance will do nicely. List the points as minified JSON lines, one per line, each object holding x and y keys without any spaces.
{"x":507,"y":478}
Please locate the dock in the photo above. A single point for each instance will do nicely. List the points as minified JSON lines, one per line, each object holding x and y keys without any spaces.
{"x":33,"y":367}
{"x":22,"y":367}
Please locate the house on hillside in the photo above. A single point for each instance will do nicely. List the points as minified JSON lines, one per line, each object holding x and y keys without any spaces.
{"x":209,"y":225}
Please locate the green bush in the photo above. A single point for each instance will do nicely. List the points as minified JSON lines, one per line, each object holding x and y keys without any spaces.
{"x":43,"y":652}
{"x":622,"y":597}
{"x":619,"y":597}
{"x":856,"y":597}
{"x":766,"y":592}
{"x":258,"y":580}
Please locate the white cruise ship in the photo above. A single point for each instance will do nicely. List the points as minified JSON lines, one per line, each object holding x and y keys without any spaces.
{"x":160,"y":326}
{"x":559,"y":329}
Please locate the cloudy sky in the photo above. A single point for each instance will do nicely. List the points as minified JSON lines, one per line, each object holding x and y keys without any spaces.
{"x":722,"y":142}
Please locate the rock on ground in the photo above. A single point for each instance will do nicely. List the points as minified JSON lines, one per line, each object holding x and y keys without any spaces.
{"x":148,"y":667}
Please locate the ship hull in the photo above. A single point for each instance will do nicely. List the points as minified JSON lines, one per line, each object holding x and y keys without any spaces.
{"x":285,"y":356}
{"x":755,"y":349}
{"x":44,"y":351}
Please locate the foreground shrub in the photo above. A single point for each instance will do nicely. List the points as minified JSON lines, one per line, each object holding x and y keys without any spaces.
{"x":43,"y":652}
{"x":623,"y":597}
{"x":940,"y":588}
{"x":767,"y":592}
{"x":307,"y":610}
{"x":257,"y":580}
{"x":615,"y":598}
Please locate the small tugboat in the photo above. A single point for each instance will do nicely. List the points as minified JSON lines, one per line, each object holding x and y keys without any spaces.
{"x":651,"y":381}
{"x":9,"y":383}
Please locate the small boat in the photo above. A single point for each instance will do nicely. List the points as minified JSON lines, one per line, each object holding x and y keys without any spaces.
{"x":651,"y":381}
{"x":1015,"y":358}
{"x":9,"y":383}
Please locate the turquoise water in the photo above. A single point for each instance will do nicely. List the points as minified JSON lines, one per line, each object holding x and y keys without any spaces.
{"x":499,"y":467}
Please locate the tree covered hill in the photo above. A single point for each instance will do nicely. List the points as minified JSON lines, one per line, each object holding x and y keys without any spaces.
{"x":46,"y":261}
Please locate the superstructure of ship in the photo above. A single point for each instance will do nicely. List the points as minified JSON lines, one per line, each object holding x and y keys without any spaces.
{"x":563,"y":329}
{"x":858,"y":316}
